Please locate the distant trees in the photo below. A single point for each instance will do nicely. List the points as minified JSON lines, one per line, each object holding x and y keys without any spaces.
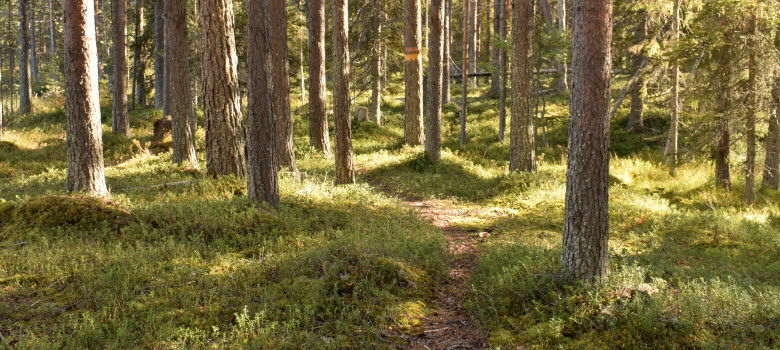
{"x":752,"y":109}
{"x":82,"y":104}
{"x":585,"y":228}
{"x":25,"y":83}
{"x":262,"y":181}
{"x":522,"y":155}
{"x":178,"y":94}
{"x":225,"y":133}
{"x":120,"y":124}
{"x":435,"y":50}
{"x":318,"y":117}
{"x":345,"y":172}
{"x":159,"y":52}
{"x":413,"y":74}
{"x":771,"y":176}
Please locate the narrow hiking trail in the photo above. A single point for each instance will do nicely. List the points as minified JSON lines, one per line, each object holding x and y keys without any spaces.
{"x":448,"y":326}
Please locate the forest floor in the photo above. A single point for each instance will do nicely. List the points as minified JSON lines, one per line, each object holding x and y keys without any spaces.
{"x":396,"y":265}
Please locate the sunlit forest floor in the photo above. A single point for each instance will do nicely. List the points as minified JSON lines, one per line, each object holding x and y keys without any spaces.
{"x":197,"y":266}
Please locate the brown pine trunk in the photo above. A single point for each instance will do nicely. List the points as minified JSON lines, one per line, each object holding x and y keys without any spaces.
{"x":464,"y":107}
{"x":586,"y":221}
{"x":82,"y":104}
{"x":262,"y":180}
{"x":498,"y":13}
{"x":563,"y":78}
{"x":25,"y":84}
{"x":375,"y":111}
{"x":52,"y":31}
{"x":178,"y":94}
{"x":672,"y":143}
{"x":473,"y":38}
{"x":771,"y":177}
{"x":446,"y":68}
{"x":723,"y":138}
{"x":285,"y":149}
{"x":159,"y":54}
{"x":522,"y":155}
{"x":345,"y":172}
{"x":435,"y":50}
{"x":139,"y":88}
{"x":413,"y":74}
{"x":501,"y":71}
{"x":120,"y":124}
{"x":225,"y":134}
{"x":752,"y":107}
{"x":33,"y":46}
{"x":318,"y":117}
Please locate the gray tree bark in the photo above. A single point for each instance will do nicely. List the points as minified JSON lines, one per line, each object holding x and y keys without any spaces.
{"x":225,"y":134}
{"x":345,"y":171}
{"x":318,"y":117}
{"x":285,"y":149}
{"x":262,"y":180}
{"x":159,"y":54}
{"x":522,"y":155}
{"x":585,"y":228}
{"x":120,"y":123}
{"x":25,"y":84}
{"x":82,"y":104}
{"x":435,"y":50}
{"x":178,"y":94}
{"x":413,"y":74}
{"x":771,"y":176}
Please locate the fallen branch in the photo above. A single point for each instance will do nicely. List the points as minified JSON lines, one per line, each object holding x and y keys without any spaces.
{"x":643,"y":68}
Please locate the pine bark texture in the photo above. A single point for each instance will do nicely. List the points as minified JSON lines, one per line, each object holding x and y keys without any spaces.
{"x":25,"y":83}
{"x":285,"y":149}
{"x":473,"y":38}
{"x":413,"y":74}
{"x":585,"y":229}
{"x":501,"y":79}
{"x":752,"y":108}
{"x":345,"y":171}
{"x":375,"y":110}
{"x":723,"y":136}
{"x":465,"y":52}
{"x":225,"y":134}
{"x":771,"y":176}
{"x":446,"y":68}
{"x":262,"y":181}
{"x":498,"y":13}
{"x":672,"y":143}
{"x":119,"y":122}
{"x":522,"y":155}
{"x":435,"y":50}
{"x":82,"y":104}
{"x":159,"y":53}
{"x":178,"y":94}
{"x":318,"y":117}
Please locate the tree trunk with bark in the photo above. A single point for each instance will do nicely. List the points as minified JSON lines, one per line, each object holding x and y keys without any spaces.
{"x":120,"y":124}
{"x":33,"y":46}
{"x":178,"y":94}
{"x":464,"y":106}
{"x":585,"y":228}
{"x":522,"y":155}
{"x":52,"y":31}
{"x":752,"y":108}
{"x":262,"y":180}
{"x":498,"y":15}
{"x":139,"y":83}
{"x":563,"y":78}
{"x":25,"y":83}
{"x":501,"y":70}
{"x":159,"y":54}
{"x":2,"y":126}
{"x":473,"y":38}
{"x":375,"y":111}
{"x":413,"y":74}
{"x":446,"y":68}
{"x":225,"y":134}
{"x":435,"y":50}
{"x":345,"y":171}
{"x":672,"y":143}
{"x":318,"y":117}
{"x":723,"y":137}
{"x":771,"y":176}
{"x":82,"y":104}
{"x":285,"y":149}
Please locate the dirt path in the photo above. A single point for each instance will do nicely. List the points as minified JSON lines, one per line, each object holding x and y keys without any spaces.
{"x":448,"y":326}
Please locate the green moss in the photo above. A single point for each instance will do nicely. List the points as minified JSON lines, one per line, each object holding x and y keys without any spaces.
{"x":62,"y":211}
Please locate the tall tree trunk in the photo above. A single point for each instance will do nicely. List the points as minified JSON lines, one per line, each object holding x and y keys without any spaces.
{"x":636,"y":116}
{"x":139,"y":88}
{"x":33,"y":46}
{"x":771,"y":177}
{"x":345,"y":172}
{"x":672,"y":143}
{"x":375,"y":112}
{"x":473,"y":38}
{"x":2,"y":126}
{"x":752,"y":107}
{"x":178,"y":94}
{"x":501,"y":70}
{"x":413,"y":74}
{"x":723,"y":138}
{"x":302,"y":72}
{"x":285,"y":150}
{"x":120,"y":124}
{"x":522,"y":155}
{"x":435,"y":50}
{"x":446,"y":68}
{"x":52,"y":31}
{"x":262,"y":181}
{"x":464,"y":107}
{"x":225,"y":134}
{"x":159,"y":54}
{"x":318,"y":113}
{"x":586,"y":220}
{"x":25,"y":84}
{"x":563,"y":78}
{"x":498,"y":14}
{"x":82,"y":104}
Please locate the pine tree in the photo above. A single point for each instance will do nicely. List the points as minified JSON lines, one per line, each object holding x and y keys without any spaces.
{"x":285,"y":149}
{"x":345,"y":172}
{"x":318,"y":117}
{"x":120,"y":124}
{"x":435,"y":50}
{"x":413,"y":74}
{"x":522,"y":155}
